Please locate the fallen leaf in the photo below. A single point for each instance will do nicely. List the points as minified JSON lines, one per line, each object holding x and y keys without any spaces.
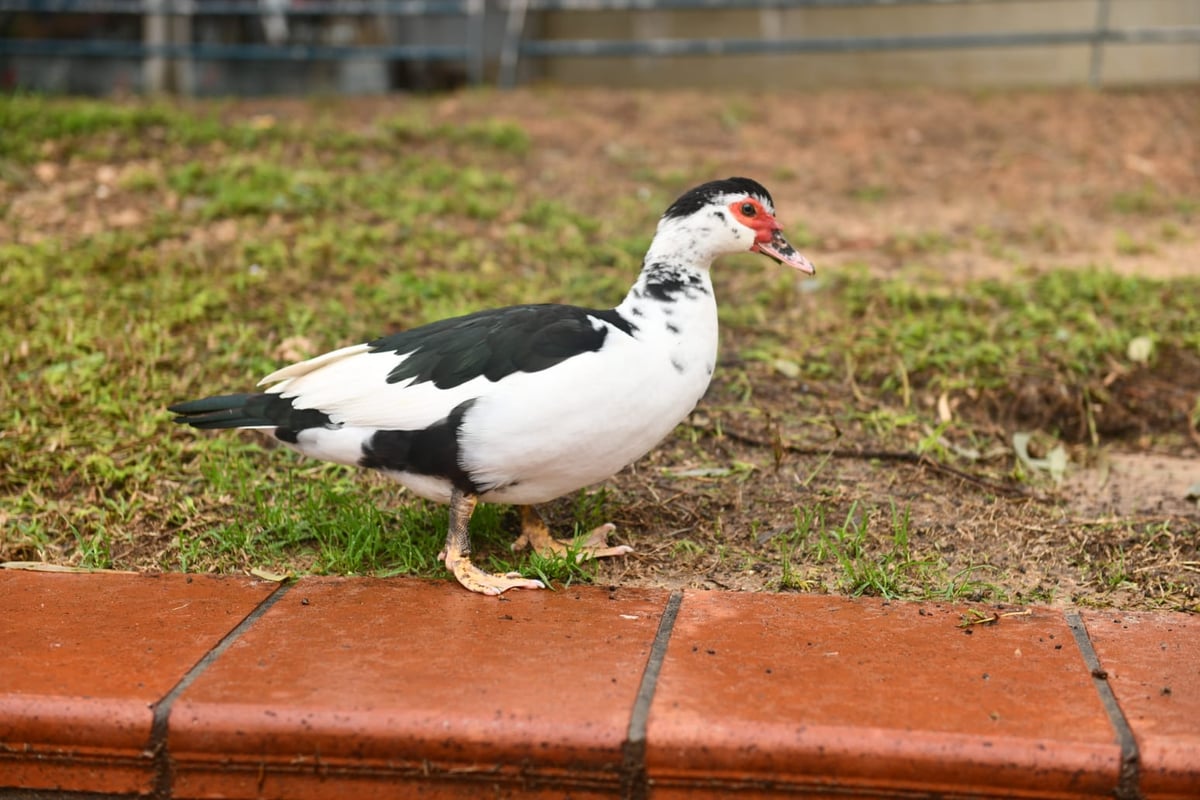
{"x":42,"y":566}
{"x":702,"y":472}
{"x":789,"y":369}
{"x":268,"y":575}
{"x":1140,"y":349}
{"x":943,"y":408}
{"x":1054,"y":463}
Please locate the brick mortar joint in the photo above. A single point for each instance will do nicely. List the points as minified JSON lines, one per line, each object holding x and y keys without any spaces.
{"x":1129,"y":770}
{"x":634,"y":781}
{"x":160,"y":726}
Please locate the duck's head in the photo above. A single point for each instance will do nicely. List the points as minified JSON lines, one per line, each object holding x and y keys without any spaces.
{"x":735,"y":215}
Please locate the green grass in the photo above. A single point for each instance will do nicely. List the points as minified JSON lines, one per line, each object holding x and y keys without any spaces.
{"x":498,"y":134}
{"x":1149,"y":201}
{"x":870,"y":552}
{"x":102,"y":331}
{"x":256,"y":243}
{"x":38,"y":127}
{"x":1061,"y":321}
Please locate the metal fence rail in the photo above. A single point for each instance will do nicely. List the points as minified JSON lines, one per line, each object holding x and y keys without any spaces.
{"x":165,"y":40}
{"x":167,"y":32}
{"x":517,"y":46}
{"x":236,"y":7}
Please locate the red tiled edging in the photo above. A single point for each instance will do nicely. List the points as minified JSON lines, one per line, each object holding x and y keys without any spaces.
{"x":1152,"y":662}
{"x":195,"y":687}
{"x":351,"y":688}
{"x":806,"y":692}
{"x":85,"y":659}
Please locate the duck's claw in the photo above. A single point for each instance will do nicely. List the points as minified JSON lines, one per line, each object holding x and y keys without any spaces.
{"x":535,"y":534}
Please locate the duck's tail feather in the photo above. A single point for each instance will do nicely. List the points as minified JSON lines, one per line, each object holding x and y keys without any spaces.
{"x":248,"y":410}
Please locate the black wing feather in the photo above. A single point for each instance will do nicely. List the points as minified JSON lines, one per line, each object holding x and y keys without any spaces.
{"x":496,"y":343}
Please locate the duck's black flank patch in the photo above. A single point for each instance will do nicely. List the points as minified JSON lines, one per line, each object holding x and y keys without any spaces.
{"x":432,"y":451}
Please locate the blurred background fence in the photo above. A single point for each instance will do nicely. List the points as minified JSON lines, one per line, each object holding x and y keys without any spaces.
{"x":251,"y":47}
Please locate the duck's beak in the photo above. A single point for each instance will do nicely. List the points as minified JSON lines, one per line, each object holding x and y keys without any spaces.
{"x":778,"y":248}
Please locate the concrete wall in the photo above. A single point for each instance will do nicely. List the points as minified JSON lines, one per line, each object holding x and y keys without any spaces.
{"x":996,"y":66}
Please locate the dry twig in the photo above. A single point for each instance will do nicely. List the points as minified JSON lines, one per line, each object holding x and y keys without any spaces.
{"x":975,"y":617}
{"x":900,"y":456}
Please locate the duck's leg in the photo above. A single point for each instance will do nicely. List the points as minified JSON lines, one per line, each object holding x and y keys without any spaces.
{"x":535,"y":534}
{"x":456,"y":555}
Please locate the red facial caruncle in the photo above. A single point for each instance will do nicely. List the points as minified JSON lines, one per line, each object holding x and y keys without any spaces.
{"x":768,"y":234}
{"x":753,"y":214}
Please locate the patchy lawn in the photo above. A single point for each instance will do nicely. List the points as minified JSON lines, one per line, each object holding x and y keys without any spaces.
{"x":990,"y":391}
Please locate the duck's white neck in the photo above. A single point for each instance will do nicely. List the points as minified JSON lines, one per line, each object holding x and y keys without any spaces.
{"x":681,"y":243}
{"x":673,"y":311}
{"x":675,"y":272}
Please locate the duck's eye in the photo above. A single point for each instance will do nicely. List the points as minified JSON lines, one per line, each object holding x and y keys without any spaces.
{"x":748,"y":209}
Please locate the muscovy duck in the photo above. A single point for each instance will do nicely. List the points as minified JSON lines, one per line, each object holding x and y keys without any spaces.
{"x":527,"y":403}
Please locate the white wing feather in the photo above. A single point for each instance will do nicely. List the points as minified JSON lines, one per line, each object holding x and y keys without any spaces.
{"x":315,"y":363}
{"x":350,"y":385}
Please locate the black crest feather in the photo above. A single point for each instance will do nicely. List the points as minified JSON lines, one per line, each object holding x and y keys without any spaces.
{"x":693,"y":200}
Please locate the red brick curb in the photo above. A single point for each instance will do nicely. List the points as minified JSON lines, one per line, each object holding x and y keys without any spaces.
{"x":199,"y":686}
